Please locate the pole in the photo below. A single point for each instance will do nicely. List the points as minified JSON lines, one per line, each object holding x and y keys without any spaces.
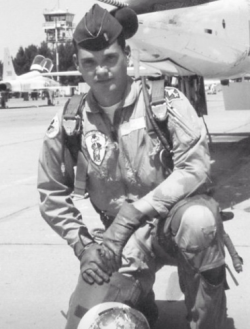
{"x":56,"y":44}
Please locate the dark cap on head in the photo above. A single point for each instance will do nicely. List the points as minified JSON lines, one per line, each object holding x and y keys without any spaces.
{"x":99,"y":28}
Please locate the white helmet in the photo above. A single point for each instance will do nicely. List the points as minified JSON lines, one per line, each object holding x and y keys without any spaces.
{"x":112,"y":315}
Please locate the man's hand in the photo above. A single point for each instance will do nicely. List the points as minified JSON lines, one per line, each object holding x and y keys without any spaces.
{"x":94,"y":267}
{"x":116,"y":236}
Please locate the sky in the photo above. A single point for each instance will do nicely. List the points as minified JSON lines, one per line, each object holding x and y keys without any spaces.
{"x":21,"y":21}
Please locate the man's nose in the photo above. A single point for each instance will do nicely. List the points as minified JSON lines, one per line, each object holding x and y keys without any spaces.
{"x":102,"y":71}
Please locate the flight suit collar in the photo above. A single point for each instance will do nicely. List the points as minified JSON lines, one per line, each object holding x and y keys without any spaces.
{"x":131,"y":93}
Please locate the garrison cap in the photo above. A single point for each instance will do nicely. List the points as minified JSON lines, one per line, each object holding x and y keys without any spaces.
{"x":99,"y":28}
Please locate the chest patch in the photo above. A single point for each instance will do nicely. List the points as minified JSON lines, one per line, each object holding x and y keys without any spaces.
{"x":96,"y":146}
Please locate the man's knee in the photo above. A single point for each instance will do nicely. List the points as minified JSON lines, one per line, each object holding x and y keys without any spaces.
{"x":123,"y":289}
{"x":197,"y":228}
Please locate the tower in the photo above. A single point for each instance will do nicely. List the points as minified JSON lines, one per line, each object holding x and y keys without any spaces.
{"x":58,"y":27}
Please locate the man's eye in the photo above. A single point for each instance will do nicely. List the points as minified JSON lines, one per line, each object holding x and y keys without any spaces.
{"x":111,"y":59}
{"x":88,"y":63}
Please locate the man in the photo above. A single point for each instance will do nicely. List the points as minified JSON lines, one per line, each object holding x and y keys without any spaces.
{"x":153,"y":214}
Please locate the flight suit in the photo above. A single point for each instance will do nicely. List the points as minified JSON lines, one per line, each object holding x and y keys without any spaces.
{"x":123,"y":161}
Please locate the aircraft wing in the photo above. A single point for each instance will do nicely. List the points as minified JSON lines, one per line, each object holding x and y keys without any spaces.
{"x":61,"y":74}
{"x":167,"y":67}
{"x":146,"y":6}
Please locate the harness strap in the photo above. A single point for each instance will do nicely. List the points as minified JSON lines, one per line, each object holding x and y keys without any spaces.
{"x":81,"y":175}
{"x":72,"y":123}
{"x":73,"y":105}
{"x":158,"y":100}
{"x":157,"y":91}
{"x":72,"y":115}
{"x":152,"y":117}
{"x":72,"y":129}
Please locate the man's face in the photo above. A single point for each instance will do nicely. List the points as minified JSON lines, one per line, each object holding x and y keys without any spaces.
{"x":105,"y":71}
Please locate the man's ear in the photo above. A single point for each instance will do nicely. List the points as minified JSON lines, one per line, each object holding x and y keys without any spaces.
{"x":75,"y":60}
{"x":127,"y":50}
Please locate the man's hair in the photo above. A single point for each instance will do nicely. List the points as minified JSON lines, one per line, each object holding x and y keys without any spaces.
{"x":120,"y":40}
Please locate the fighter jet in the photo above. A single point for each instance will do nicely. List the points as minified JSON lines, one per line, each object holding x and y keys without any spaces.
{"x":28,"y":82}
{"x":209,"y":38}
{"x":192,"y":39}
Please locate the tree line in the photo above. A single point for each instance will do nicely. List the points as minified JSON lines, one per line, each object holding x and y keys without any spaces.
{"x":24,"y":57}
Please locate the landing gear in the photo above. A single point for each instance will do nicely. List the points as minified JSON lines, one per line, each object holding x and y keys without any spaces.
{"x":3,"y":99}
{"x":50,"y":95}
{"x":51,"y":98}
{"x":194,"y":89}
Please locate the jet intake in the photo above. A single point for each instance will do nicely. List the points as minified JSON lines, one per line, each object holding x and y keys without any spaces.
{"x":3,"y":87}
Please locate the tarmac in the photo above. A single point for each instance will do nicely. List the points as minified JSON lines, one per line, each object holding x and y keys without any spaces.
{"x":38,"y":271}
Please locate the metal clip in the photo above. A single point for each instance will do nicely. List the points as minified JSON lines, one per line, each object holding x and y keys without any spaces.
{"x":160,"y":110}
{"x":72,"y":125}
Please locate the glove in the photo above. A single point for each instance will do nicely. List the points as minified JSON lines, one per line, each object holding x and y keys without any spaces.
{"x":94,"y":268}
{"x":116,"y":236}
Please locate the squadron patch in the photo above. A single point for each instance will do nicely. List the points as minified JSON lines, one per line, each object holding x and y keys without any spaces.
{"x":96,"y":146}
{"x":53,"y":128}
{"x":172,"y":93}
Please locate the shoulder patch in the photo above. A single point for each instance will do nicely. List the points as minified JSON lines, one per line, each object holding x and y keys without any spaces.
{"x":172,"y":93}
{"x":53,"y":128}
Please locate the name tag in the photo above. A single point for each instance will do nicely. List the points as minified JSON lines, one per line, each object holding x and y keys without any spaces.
{"x":134,"y":124}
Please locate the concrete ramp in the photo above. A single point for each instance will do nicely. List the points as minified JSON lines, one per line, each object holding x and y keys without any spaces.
{"x":237,"y":95}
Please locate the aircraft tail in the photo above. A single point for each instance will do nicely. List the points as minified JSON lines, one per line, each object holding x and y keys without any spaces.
{"x":8,"y":68}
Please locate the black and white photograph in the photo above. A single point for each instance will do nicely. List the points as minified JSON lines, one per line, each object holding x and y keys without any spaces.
{"x":125,"y":164}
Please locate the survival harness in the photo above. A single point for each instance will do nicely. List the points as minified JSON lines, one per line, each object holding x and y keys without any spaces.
{"x":156,"y":115}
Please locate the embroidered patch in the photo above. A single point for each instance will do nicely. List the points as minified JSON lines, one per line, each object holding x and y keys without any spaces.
{"x":172,"y":93}
{"x":53,"y":129}
{"x":96,"y":145}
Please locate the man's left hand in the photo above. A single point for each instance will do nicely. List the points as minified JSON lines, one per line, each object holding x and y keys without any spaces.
{"x":116,"y":236}
{"x":94,"y":268}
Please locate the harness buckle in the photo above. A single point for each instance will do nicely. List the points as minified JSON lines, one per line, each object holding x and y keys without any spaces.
{"x":159,"y":110}
{"x":72,"y":124}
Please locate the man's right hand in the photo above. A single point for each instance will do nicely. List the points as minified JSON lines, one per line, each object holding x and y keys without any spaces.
{"x":94,"y":268}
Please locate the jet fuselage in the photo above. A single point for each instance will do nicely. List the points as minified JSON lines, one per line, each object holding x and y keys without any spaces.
{"x":207,"y":38}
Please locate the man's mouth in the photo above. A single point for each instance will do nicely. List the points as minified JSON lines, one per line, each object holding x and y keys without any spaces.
{"x":108,"y":80}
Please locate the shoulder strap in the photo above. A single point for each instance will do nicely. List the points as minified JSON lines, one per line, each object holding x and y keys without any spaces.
{"x":73,"y":105}
{"x":156,"y":110}
{"x":72,"y":127}
{"x":72,"y":124}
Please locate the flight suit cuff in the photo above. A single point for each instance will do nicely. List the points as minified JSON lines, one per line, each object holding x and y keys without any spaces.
{"x":145,"y":208}
{"x":84,"y":240}
{"x":159,"y":208}
{"x":78,"y":249}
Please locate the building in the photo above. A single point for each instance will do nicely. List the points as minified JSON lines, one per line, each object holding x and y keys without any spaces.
{"x":58,"y":26}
